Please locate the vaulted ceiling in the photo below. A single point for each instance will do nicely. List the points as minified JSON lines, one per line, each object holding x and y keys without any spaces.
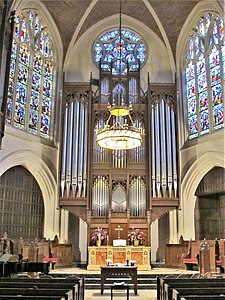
{"x":162,"y":17}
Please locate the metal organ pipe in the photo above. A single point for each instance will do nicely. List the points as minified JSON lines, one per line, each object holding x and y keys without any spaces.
{"x":94,"y":198}
{"x":74,"y":154}
{"x":85,"y":138}
{"x":101,"y":196}
{"x":157,"y":152}
{"x":76,"y":147}
{"x":137,"y":196}
{"x":169,"y":150}
{"x":69,"y":150}
{"x":98,"y":195}
{"x":63,"y":176}
{"x":74,"y":157}
{"x":81,"y":151}
{"x":163,"y":147}
{"x":106,"y":196}
{"x":105,"y":91}
{"x":174,"y":153}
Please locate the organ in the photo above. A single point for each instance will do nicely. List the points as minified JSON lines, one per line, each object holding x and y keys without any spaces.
{"x":130,"y":188}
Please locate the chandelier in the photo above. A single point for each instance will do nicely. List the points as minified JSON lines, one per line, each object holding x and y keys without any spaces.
{"x":119,"y":132}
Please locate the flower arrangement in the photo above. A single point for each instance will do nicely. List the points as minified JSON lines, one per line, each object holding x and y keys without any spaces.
{"x":136,"y":234}
{"x":99,"y":234}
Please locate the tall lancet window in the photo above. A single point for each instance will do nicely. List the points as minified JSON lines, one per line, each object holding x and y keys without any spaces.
{"x":204,"y":75}
{"x":31,"y":83}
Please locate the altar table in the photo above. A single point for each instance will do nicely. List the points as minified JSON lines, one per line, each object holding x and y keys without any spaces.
{"x":97,"y":256}
{"x":118,"y":272}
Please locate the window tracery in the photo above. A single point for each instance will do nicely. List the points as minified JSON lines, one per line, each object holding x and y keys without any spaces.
{"x":204,"y":76}
{"x":30,"y":92}
{"x":110,"y":49}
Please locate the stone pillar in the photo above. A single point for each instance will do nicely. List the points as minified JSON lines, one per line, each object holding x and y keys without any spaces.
{"x":173,"y":235}
{"x":83,"y":241}
{"x":154,"y":240}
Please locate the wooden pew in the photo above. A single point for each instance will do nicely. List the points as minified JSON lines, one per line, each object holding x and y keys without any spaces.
{"x":75,"y":284}
{"x":70,"y":282}
{"x":44,"y":285}
{"x":174,"y":254}
{"x":7,"y":297}
{"x":64,"y":293}
{"x":186,"y":254}
{"x":201,"y":297}
{"x":168,"y":288}
{"x":161,"y":282}
{"x":179,"y":293}
{"x":191,"y":258}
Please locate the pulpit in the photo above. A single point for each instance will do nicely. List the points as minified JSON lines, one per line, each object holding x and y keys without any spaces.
{"x":119,"y":272}
{"x":97,"y":256}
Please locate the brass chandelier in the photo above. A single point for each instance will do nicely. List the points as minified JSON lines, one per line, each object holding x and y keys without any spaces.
{"x":119,"y":132}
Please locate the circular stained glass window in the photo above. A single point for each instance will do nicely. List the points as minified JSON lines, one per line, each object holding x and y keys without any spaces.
{"x":117,"y":52}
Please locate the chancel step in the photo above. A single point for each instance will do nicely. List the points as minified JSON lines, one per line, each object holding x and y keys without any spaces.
{"x":93,"y":281}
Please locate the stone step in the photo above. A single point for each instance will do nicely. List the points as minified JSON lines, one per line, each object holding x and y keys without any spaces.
{"x":93,"y":281}
{"x":145,"y":281}
{"x":107,"y":286}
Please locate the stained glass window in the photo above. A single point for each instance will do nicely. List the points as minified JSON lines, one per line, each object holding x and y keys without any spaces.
{"x":204,"y":76}
{"x":31,"y":81}
{"x":119,"y":52}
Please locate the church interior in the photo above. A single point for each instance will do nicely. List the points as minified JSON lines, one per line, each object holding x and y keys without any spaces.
{"x":112,"y":141}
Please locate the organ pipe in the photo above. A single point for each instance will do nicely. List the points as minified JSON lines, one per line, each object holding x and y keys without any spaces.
{"x":137,"y":195}
{"x":74,"y":151}
{"x":169,"y":150}
{"x":163,"y":140}
{"x":157,"y":152}
{"x":174,"y":155}
{"x":76,"y":147}
{"x":68,"y":154}
{"x":85,"y":152}
{"x":100,"y":196}
{"x":153,"y":154}
{"x":63,"y":172}
{"x":163,"y":147}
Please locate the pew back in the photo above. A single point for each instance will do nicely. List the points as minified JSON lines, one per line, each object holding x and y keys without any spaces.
{"x":179,"y":293}
{"x":161,"y":282}
{"x":73,"y":288}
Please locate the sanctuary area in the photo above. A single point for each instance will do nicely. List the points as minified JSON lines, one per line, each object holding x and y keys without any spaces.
{"x":112,"y":134}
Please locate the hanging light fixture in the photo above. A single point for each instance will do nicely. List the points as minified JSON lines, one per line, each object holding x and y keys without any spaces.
{"x":119,"y":132}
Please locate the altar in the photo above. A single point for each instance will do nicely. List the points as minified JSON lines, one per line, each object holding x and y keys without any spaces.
{"x":97,"y":256}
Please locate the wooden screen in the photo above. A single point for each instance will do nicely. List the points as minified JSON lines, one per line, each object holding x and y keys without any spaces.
{"x":21,"y":205}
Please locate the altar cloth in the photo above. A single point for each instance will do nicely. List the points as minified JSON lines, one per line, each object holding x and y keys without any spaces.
{"x":119,"y":243}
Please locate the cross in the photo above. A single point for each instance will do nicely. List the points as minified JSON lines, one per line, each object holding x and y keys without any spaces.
{"x":118,"y":229}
